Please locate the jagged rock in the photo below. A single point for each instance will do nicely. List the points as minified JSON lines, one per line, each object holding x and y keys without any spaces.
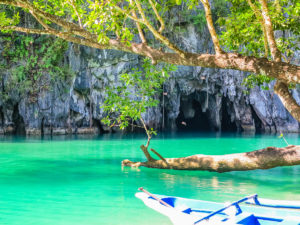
{"x":202,"y":98}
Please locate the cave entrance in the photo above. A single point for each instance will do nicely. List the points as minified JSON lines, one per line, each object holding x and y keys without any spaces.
{"x":1,"y":117}
{"x":42,"y":126}
{"x":97,"y":123}
{"x":191,"y":117}
{"x":19,"y":125}
{"x":227,"y":125}
{"x":259,"y":128}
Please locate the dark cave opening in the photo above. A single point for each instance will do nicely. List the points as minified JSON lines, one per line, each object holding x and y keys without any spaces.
{"x":226,"y":124}
{"x":1,"y":117}
{"x":19,"y":125}
{"x":97,"y":123}
{"x":199,"y":121}
{"x":42,"y":126}
{"x":257,"y":122}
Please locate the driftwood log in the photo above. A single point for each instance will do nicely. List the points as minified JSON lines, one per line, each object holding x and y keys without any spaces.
{"x":266,"y":158}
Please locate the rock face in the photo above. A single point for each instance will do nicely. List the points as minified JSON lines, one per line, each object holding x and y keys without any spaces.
{"x":199,"y":99}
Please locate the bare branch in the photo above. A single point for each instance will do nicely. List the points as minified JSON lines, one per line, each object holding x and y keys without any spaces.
{"x":276,"y":54}
{"x":160,"y":19}
{"x":211,"y":28}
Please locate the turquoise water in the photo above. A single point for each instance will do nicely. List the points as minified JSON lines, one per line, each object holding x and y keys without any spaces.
{"x":79,"y":180}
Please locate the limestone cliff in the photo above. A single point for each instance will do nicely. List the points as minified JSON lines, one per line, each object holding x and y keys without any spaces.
{"x":195,"y":98}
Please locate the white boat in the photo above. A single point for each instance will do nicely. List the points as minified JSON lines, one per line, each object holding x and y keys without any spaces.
{"x":182,"y":211}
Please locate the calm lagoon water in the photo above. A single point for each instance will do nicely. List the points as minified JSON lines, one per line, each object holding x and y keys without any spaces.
{"x":79,"y":180}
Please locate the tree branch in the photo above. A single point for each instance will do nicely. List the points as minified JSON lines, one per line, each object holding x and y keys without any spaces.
{"x":63,"y":35}
{"x":276,"y":54}
{"x":211,"y":28}
{"x":160,"y":19}
{"x":281,"y":89}
{"x":40,"y":21}
{"x":141,"y":34}
{"x":156,"y":34}
{"x":26,"y":30}
{"x":260,"y":159}
{"x":259,"y":17}
{"x":133,"y":17}
{"x":25,"y":4}
{"x":147,"y":132}
{"x":76,"y":11}
{"x":160,"y":156}
{"x":286,"y":72}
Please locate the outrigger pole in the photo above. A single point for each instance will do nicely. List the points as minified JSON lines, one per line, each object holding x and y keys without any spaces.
{"x":156,"y":198}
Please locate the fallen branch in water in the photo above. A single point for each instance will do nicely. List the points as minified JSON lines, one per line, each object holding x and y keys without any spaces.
{"x":266,"y":158}
{"x":159,"y":155}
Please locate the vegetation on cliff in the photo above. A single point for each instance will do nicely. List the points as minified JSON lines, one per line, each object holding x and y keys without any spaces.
{"x":246,"y":42}
{"x":257,"y":36}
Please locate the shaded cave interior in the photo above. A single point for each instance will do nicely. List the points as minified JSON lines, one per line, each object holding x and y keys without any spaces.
{"x":18,"y":121}
{"x":199,"y":112}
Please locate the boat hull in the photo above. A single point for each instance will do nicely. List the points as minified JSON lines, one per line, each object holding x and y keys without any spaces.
{"x":187,"y":211}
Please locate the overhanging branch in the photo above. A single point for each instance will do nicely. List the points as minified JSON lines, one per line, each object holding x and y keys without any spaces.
{"x":63,"y":35}
{"x":276,"y":54}
{"x":211,"y":28}
{"x":160,"y":19}
{"x":156,"y":34}
{"x":260,"y":18}
{"x":287,"y":99}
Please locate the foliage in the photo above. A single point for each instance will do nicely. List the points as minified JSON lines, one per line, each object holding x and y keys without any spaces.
{"x":8,"y":17}
{"x":241,"y":27}
{"x":219,"y":9}
{"x":257,"y":80}
{"x":242,"y":31}
{"x":137,"y":91}
{"x":240,"y":24}
{"x":34,"y":62}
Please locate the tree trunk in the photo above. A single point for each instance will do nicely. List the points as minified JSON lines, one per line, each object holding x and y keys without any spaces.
{"x":266,"y":158}
{"x":282,"y":90}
